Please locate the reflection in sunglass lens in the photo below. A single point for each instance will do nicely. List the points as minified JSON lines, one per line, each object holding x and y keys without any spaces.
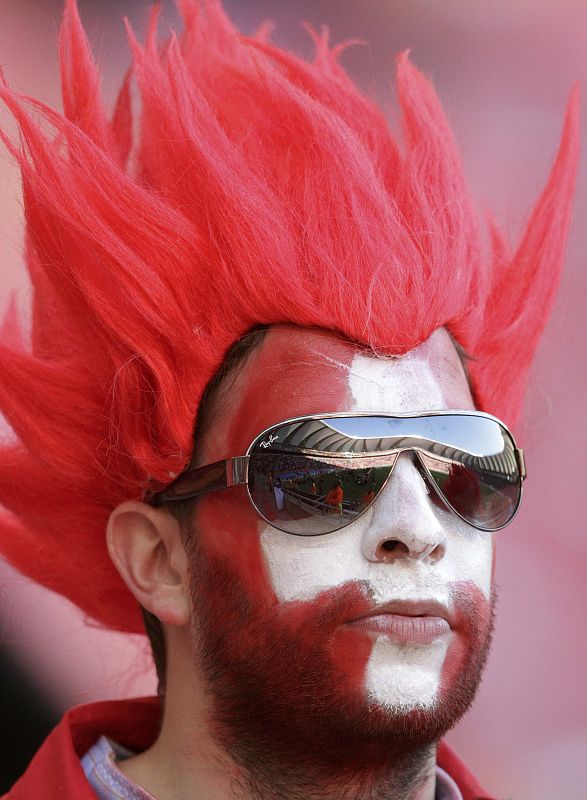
{"x":309,"y":496}
{"x":486,"y":498}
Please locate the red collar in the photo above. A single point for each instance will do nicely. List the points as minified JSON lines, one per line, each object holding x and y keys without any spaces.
{"x":55,"y":773}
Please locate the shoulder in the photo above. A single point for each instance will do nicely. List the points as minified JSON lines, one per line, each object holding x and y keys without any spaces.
{"x":56,"y":773}
{"x":468,"y":784}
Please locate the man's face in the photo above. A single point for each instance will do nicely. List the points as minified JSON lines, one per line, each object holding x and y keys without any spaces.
{"x":287,"y":626}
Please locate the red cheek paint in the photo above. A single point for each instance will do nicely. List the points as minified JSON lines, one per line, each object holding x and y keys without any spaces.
{"x":227,"y":527}
{"x":471,"y":638}
{"x":228,"y":531}
{"x":320,"y":628}
{"x":284,"y":676}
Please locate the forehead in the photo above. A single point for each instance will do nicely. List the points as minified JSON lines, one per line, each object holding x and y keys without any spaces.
{"x":298,"y":371}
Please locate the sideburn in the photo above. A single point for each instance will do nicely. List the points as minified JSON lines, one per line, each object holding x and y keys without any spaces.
{"x":184,"y":511}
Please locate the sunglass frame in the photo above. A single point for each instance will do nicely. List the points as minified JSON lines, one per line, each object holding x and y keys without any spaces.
{"x":233,"y":471}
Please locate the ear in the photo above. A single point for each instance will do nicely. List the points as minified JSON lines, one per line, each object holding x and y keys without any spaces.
{"x":146,"y":548}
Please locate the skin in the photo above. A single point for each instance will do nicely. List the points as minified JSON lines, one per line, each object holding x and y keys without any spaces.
{"x":386,"y":703}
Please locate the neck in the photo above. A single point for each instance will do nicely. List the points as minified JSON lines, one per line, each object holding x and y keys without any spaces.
{"x":409,"y":778}
{"x":187,"y":761}
{"x":204,"y":773}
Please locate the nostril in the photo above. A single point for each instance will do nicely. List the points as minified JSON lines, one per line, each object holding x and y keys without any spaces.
{"x":393,"y":549}
{"x":391,"y":545}
{"x":437,"y":553}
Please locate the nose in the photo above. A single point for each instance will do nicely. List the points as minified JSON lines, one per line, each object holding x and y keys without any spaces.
{"x":403,"y":524}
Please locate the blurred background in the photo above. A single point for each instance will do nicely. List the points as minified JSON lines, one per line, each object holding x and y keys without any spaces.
{"x":503,"y":71}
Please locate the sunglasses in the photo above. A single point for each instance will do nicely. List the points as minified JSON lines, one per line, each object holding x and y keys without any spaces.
{"x":313,"y":475}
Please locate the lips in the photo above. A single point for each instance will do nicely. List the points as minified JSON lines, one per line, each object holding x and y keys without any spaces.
{"x":407,"y":622}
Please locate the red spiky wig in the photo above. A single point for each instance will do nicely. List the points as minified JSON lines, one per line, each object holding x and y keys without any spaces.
{"x":263,"y":189}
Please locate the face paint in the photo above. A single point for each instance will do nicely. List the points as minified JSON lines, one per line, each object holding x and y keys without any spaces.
{"x":397,"y":675}
{"x":281,"y":644}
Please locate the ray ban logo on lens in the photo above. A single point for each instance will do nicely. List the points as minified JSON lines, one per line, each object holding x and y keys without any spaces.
{"x":269,"y":441}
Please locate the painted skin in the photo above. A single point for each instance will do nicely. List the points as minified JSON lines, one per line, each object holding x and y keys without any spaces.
{"x":404,"y":548}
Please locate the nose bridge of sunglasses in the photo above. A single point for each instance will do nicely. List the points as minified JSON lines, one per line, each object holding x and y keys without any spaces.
{"x":415,"y":457}
{"x":418,"y":462}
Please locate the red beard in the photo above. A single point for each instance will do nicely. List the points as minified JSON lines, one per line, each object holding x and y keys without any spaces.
{"x":288,"y":680}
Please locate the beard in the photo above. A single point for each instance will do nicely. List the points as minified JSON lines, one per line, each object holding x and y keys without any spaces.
{"x":287,"y":683}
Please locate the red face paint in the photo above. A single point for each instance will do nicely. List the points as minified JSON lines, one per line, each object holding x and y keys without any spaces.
{"x":468,"y":651}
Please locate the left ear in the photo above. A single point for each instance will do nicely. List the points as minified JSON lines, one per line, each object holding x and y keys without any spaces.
{"x":146,"y":548}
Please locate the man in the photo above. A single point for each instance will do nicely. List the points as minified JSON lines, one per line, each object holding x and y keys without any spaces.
{"x":334,"y":498}
{"x":369,"y":496}
{"x":277,"y":270}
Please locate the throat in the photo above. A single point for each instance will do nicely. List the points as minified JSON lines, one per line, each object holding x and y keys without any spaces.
{"x":410,"y":777}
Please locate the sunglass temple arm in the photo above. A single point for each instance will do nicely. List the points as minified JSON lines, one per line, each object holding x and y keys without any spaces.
{"x":521,"y":462}
{"x":237,"y":470}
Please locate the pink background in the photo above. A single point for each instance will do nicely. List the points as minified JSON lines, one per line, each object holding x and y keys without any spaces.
{"x":503,"y":71}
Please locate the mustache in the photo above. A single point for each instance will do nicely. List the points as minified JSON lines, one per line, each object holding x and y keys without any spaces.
{"x":335,"y":606}
{"x":329,"y":609}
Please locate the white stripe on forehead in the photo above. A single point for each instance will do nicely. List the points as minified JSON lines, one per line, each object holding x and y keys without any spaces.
{"x":429,"y":377}
{"x":400,"y":384}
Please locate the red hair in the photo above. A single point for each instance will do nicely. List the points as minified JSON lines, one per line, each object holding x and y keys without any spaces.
{"x":263,"y":189}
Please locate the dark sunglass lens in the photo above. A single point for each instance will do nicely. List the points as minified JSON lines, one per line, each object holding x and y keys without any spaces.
{"x":308,"y":495}
{"x":485,"y":495}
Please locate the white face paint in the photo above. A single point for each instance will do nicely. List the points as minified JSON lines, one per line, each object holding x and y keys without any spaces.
{"x":400,"y":676}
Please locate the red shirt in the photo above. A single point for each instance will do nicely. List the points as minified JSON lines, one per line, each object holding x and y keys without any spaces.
{"x":55,"y":773}
{"x":335,"y":496}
